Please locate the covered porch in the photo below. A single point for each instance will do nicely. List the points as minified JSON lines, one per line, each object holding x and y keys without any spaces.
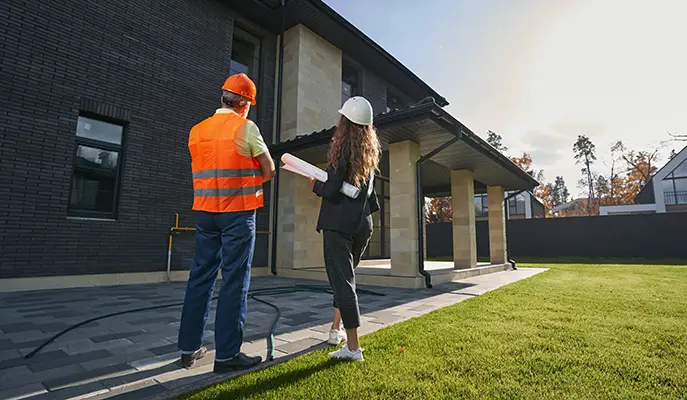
{"x":426,"y":153}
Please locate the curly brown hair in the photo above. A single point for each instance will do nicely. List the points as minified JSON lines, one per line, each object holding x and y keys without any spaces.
{"x":360,"y":144}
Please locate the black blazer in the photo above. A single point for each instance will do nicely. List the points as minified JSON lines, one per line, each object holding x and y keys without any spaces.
{"x":339,"y":212}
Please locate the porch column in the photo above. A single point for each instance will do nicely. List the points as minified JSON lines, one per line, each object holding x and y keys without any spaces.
{"x":497,"y":225}
{"x":463,"y":203}
{"x":403,"y":158}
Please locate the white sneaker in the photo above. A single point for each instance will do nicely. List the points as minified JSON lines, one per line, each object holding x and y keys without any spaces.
{"x":336,"y":337}
{"x":345,"y":354}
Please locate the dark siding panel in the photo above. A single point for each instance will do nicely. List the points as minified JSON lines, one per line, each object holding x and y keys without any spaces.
{"x":158,"y":67}
{"x":652,"y":236}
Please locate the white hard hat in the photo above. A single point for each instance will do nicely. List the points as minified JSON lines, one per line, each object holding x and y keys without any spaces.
{"x":358,"y":110}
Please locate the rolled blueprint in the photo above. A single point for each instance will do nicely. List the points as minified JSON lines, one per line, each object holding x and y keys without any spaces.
{"x":303,"y":168}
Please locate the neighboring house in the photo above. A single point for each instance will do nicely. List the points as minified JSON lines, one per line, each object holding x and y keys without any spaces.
{"x":98,"y":102}
{"x":665,"y":192}
{"x":524,"y":205}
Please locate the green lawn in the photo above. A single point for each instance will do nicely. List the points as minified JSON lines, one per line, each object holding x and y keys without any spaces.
{"x":576,"y":331}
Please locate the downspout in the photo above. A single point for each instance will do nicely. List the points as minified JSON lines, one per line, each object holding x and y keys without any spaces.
{"x":277,"y":140}
{"x":421,"y":209}
{"x":505,"y":206}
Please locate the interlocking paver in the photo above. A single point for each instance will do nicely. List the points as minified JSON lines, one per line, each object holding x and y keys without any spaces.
{"x":299,"y":345}
{"x":18,"y":327}
{"x":87,"y":345}
{"x":131,"y":335}
{"x":21,"y":376}
{"x":23,"y":392}
{"x":86,"y":377}
{"x":39,"y":363}
{"x":74,"y":393}
{"x":100,"y":362}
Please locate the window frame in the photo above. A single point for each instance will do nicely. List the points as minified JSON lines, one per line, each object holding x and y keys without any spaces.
{"x":249,"y":35}
{"x":393,"y":93}
{"x":483,"y":198}
{"x":120,"y":149}
{"x":676,"y":195}
{"x":382,"y":196}
{"x":513,"y":205}
{"x":356,"y":90}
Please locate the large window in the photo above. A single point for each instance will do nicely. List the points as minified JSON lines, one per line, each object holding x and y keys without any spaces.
{"x":97,"y":162}
{"x":481,"y":205}
{"x":516,"y":205}
{"x":349,"y":82}
{"x":245,"y":58}
{"x":675,"y":185}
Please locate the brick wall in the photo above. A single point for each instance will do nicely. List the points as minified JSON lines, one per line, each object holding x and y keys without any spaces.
{"x":161,"y":66}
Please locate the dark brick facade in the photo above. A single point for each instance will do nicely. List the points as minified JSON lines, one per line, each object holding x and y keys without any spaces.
{"x":156,"y":65}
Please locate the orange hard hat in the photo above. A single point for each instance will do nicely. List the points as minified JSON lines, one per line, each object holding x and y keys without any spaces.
{"x":242,"y":85}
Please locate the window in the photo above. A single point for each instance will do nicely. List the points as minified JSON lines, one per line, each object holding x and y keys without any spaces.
{"x":516,"y":205}
{"x":245,"y":58}
{"x":349,"y":82}
{"x":481,"y":205}
{"x":675,"y":186}
{"x":97,"y":162}
{"x":393,"y":102}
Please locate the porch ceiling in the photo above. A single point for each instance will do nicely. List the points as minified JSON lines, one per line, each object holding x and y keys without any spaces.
{"x":430,"y":126}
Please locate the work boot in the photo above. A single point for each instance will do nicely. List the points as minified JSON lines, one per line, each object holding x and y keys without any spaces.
{"x":237,"y":363}
{"x":187,"y":360}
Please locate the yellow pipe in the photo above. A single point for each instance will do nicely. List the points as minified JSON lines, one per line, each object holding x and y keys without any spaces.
{"x":177,"y":228}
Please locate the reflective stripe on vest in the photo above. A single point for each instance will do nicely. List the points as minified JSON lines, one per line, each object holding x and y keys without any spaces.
{"x":226,"y":173}
{"x":228,"y":192}
{"x":223,"y":179}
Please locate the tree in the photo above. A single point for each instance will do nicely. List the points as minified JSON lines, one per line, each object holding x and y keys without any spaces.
{"x":585,"y":153}
{"x":494,"y":139}
{"x":639,"y":168}
{"x":640,"y":163}
{"x":438,"y":209}
{"x":559,"y":192}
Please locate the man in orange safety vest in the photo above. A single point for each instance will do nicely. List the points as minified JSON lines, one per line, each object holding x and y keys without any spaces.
{"x":230,"y":163}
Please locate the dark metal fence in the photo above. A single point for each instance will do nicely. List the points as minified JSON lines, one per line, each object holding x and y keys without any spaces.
{"x":652,"y":236}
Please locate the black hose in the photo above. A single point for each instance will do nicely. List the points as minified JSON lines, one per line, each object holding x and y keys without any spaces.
{"x":274,"y":291}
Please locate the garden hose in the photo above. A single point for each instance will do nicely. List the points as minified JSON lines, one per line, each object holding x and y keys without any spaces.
{"x":275,"y":291}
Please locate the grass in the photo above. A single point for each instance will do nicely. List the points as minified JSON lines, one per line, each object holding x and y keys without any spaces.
{"x":574,"y":332}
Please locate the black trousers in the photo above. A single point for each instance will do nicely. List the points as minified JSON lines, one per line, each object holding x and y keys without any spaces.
{"x":341,"y":256}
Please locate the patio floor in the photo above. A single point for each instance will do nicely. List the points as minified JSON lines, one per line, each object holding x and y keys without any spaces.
{"x":134,"y":355}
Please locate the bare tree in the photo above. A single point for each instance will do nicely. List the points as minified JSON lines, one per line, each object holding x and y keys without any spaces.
{"x":678,"y":136}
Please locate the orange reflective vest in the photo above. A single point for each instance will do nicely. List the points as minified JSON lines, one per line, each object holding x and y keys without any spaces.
{"x":223,"y":179}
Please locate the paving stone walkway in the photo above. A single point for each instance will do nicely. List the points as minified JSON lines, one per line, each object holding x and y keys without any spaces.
{"x":133,"y":356}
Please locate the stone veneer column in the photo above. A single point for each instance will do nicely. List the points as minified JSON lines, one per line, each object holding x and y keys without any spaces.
{"x":311,"y":97}
{"x":497,"y":225}
{"x":403,"y":158}
{"x":463,"y":204}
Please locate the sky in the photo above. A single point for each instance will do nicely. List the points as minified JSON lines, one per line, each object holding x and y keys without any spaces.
{"x":542,"y":72}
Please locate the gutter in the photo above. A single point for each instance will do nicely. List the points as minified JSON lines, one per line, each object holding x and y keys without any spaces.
{"x":277,"y":139}
{"x":505,"y":207}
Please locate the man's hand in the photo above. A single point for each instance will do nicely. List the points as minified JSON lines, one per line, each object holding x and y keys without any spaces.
{"x":312,"y":181}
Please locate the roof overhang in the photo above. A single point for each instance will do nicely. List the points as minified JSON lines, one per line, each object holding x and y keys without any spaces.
{"x":430,"y":126}
{"x":323,"y":20}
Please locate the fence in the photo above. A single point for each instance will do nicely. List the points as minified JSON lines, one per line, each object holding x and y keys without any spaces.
{"x":650,"y":236}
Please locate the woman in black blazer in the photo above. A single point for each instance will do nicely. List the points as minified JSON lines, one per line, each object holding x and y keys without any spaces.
{"x":346,"y":222}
